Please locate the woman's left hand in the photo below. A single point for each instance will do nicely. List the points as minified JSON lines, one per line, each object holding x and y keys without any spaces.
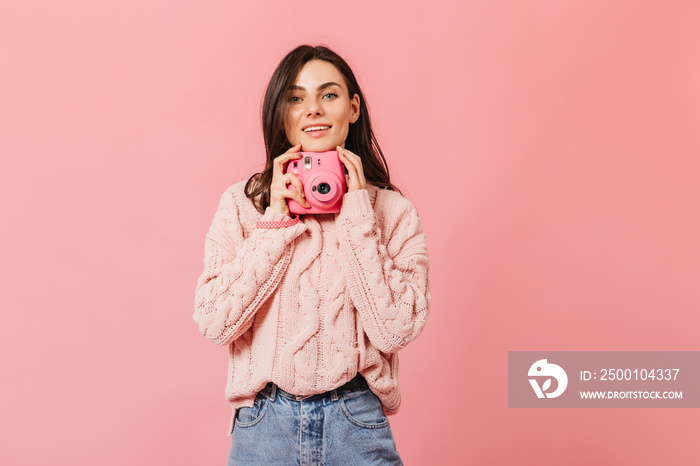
{"x":355,"y":178}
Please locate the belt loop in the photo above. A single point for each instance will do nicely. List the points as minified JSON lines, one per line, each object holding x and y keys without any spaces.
{"x":334,"y":394}
{"x":274,"y":392}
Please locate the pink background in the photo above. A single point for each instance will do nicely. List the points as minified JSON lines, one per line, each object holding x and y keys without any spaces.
{"x":550,"y":146}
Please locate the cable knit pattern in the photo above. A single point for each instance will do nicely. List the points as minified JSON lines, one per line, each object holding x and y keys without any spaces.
{"x":310,"y":305}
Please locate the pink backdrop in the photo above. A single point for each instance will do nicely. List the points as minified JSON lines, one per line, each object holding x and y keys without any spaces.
{"x":550,"y":146}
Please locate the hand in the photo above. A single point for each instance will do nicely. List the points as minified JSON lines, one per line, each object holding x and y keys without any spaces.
{"x":355,"y":178}
{"x":278,"y":187}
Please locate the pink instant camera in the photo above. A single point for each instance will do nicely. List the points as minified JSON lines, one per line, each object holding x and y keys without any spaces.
{"x":323,"y":180}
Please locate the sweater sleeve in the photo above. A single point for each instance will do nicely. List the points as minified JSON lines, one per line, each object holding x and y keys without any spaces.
{"x":389,"y":285}
{"x":240,"y":273}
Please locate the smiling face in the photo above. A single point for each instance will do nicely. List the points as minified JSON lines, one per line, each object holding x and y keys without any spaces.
{"x":320,"y":109}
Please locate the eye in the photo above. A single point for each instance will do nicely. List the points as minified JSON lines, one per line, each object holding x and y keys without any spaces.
{"x":295,"y":99}
{"x":330,"y":96}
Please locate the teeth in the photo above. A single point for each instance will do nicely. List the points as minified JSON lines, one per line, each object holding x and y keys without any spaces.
{"x":316,"y":128}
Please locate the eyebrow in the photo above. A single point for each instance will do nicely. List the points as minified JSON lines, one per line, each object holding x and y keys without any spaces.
{"x":320,"y":88}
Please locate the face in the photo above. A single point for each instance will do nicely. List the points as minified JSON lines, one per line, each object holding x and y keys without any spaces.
{"x":320,"y":109}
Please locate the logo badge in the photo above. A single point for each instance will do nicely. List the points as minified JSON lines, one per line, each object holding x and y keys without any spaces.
{"x":544,"y":369}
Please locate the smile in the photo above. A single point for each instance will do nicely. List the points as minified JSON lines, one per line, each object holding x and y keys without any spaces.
{"x":316,"y":128}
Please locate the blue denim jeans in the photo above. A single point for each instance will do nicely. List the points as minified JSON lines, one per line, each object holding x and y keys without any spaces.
{"x":339,"y":427}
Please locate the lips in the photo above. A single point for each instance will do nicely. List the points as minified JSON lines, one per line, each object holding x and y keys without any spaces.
{"x":314,"y":128}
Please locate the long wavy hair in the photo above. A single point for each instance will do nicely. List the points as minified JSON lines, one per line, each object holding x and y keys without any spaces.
{"x":360,"y":140}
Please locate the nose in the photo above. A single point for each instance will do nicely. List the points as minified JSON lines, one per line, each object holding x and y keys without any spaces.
{"x":314,"y":108}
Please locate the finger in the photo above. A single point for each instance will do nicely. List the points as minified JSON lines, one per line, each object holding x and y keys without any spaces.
{"x":292,"y":178}
{"x":349,"y":164}
{"x":347,"y":152}
{"x":352,"y":158}
{"x":296,"y":195}
{"x":279,"y":161}
{"x":283,"y":191}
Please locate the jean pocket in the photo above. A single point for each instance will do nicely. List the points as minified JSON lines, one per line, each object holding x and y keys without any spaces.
{"x":363,"y":409}
{"x":249,"y":416}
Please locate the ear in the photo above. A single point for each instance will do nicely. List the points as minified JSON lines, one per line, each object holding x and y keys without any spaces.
{"x":354,"y":108}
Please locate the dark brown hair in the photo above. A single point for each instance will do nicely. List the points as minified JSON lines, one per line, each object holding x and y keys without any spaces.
{"x":360,"y":140}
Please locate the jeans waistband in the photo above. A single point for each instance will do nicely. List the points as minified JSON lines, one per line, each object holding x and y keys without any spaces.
{"x":356,"y":383}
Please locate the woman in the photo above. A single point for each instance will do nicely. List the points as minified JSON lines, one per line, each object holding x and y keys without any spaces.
{"x":314,"y":308}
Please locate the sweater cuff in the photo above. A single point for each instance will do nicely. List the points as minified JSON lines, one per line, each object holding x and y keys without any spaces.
{"x":264,"y":233}
{"x":271,"y":215}
{"x":356,"y":203}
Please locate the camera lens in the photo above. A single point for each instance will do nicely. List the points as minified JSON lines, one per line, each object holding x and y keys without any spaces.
{"x":324,"y":188}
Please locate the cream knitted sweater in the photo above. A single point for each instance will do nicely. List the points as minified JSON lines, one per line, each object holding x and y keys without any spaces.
{"x":310,"y":305}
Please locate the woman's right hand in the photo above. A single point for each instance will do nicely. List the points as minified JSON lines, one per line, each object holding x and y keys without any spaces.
{"x":278,"y":187}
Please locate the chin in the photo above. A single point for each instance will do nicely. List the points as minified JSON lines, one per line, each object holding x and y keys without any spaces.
{"x":318,"y":146}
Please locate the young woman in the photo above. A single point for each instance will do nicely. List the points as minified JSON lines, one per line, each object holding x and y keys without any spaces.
{"x":314,"y":308}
